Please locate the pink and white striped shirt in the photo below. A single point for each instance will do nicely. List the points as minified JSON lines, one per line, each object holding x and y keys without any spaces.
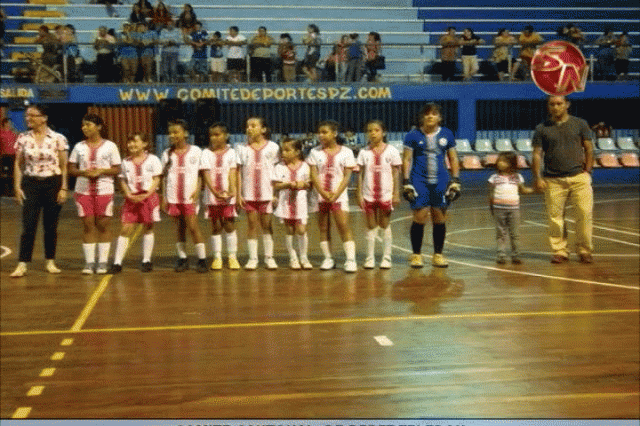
{"x":139,"y":176}
{"x":218,"y":165}
{"x":331,"y":169}
{"x":377,"y":166}
{"x":257,"y":168}
{"x":86,"y":157}
{"x":292,"y":203}
{"x":181,"y":180}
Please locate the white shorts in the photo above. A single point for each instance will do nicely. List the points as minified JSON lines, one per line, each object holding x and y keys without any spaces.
{"x":218,"y":65}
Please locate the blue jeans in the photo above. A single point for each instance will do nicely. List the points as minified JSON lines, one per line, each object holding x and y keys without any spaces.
{"x":169,"y":65}
{"x":507,"y":228}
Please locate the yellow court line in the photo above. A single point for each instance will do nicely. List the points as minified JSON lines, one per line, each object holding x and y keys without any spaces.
{"x":330,"y":321}
{"x":21,"y":413}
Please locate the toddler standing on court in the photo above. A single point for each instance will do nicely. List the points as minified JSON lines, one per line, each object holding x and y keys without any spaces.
{"x":218,"y":165}
{"x":504,"y":202}
{"x":139,"y":179}
{"x":291,"y":179}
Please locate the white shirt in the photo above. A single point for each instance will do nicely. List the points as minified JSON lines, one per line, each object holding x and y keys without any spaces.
{"x":505,"y":190}
{"x":257,"y":169}
{"x":181,"y":180}
{"x":377,"y":184}
{"x":292,"y":203}
{"x":104,"y":156}
{"x":139,"y":177}
{"x":236,"y":52}
{"x":218,"y":165}
{"x":331,"y":169}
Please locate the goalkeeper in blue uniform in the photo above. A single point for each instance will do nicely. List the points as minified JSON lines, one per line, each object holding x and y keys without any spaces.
{"x":427,"y":184}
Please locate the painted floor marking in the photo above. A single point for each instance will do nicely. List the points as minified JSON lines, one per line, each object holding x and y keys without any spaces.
{"x":6,"y":251}
{"x":383,"y":340}
{"x":594,"y":236}
{"x":57,"y":356}
{"x":21,"y":413}
{"x":35,"y":390}
{"x":66,"y":342}
{"x":47,"y":372}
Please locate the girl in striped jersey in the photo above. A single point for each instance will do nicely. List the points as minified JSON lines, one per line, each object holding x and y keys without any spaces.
{"x":378,"y":190}
{"x":218,"y":165}
{"x":331,"y":165}
{"x":292,"y":180}
{"x":95,"y":161}
{"x":181,"y":171}
{"x":256,"y":161}
{"x":139,"y":179}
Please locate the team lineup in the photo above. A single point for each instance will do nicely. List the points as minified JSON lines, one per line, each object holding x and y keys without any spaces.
{"x":261,"y":178}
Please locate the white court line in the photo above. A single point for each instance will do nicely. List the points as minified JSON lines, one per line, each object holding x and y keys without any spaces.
{"x":594,"y":236}
{"x":383,"y":340}
{"x":6,"y":251}
{"x":635,"y":234}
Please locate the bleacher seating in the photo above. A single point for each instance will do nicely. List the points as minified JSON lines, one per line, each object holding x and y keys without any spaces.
{"x":524,"y":145}
{"x":608,"y":159}
{"x":483,"y":145}
{"x":463,"y":146}
{"x":503,"y":144}
{"x":629,"y":159}
{"x":606,"y":144}
{"x":626,"y":143}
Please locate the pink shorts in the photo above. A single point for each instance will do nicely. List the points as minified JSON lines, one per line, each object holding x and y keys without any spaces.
{"x":146,"y":211}
{"x":222,"y":211}
{"x":94,"y":205}
{"x":324,"y":207}
{"x":182,"y":209}
{"x":294,"y":222}
{"x":371,"y":207}
{"x":262,"y":207}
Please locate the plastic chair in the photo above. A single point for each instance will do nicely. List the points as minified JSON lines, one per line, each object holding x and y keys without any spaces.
{"x":524,"y":145}
{"x":471,"y":162}
{"x":627,"y":144}
{"x":606,"y":144}
{"x":629,"y":159}
{"x":484,"y":145}
{"x":463,"y":145}
{"x":608,"y":160}
{"x":503,"y":144}
{"x":490,"y":160}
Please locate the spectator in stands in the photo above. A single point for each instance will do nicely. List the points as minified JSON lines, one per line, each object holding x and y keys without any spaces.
{"x":145,"y":8}
{"x":169,"y":40}
{"x":236,"y":63}
{"x":160,"y":16}
{"x":623,"y":51}
{"x":148,"y":40}
{"x":217,"y":63}
{"x":341,"y":58}
{"x":187,"y":19}
{"x":529,"y":41}
{"x":260,"y":55}
{"x":330,"y":67}
{"x":501,"y":56}
{"x":469,"y":42}
{"x":198,"y":68}
{"x":355,"y":54}
{"x":605,"y":56}
{"x":51,"y":46}
{"x":104,"y":44}
{"x":287,"y":53}
{"x":565,"y":143}
{"x":71,"y":54}
{"x":450,"y":48}
{"x":136,"y":15}
{"x":374,"y":57}
{"x":8,"y":137}
{"x":575,"y":35}
{"x":128,"y":52}
{"x":312,"y":40}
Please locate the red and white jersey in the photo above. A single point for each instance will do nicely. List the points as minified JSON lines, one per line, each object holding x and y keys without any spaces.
{"x":257,"y":168}
{"x":218,"y":165}
{"x":331,"y":168}
{"x":139,"y":176}
{"x":86,"y":157}
{"x":181,"y":179}
{"x":292,"y":203}
{"x":377,"y":166}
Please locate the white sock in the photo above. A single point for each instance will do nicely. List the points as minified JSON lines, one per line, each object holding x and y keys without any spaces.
{"x":103,"y":252}
{"x":147,"y":246}
{"x":121,"y":247}
{"x":303,"y":245}
{"x":232,"y":242}
{"x":216,"y":246}
{"x":371,"y":242}
{"x":201,"y":250}
{"x":89,"y":250}
{"x":387,"y":241}
{"x":350,"y":250}
{"x":267,"y":242}
{"x":324,"y":246}
{"x":182,"y":253}
{"x":252,"y":245}
{"x":292,"y":253}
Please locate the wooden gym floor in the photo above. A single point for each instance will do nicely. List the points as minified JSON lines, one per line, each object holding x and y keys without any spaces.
{"x":475,"y":340}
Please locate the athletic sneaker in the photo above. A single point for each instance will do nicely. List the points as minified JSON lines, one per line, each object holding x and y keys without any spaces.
{"x":304,"y":262}
{"x":21,"y":269}
{"x":216,"y":265}
{"x":251,"y":265}
{"x":369,"y":263}
{"x":439,"y":261}
{"x":233,"y":262}
{"x":327,"y":263}
{"x":51,"y":267}
{"x":102,"y":268}
{"x":201,"y":267}
{"x":501,"y":260}
{"x":182,"y":264}
{"x":516,"y":260}
{"x":294,"y":263}
{"x":146,"y":267}
{"x":350,"y":266}
{"x":415,"y":261}
{"x":385,"y":263}
{"x":88,"y":269}
{"x":270,"y":263}
{"x":115,"y":269}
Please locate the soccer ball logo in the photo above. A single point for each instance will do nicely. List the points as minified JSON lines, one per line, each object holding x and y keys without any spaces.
{"x":558,"y":68}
